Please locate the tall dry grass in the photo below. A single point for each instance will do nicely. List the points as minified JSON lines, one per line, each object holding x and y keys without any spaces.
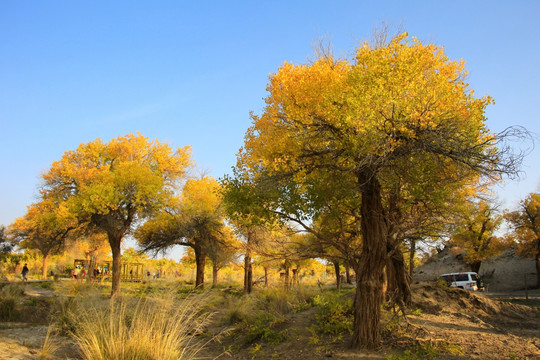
{"x":10,"y":295}
{"x":49,"y":346}
{"x":143,"y":329}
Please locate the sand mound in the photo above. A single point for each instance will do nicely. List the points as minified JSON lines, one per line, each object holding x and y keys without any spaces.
{"x":434,"y":299}
{"x":507,"y":272}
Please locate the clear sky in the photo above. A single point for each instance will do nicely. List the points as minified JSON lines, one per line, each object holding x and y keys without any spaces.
{"x":189,"y":73}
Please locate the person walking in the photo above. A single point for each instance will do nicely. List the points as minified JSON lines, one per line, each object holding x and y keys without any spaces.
{"x":24,"y":272}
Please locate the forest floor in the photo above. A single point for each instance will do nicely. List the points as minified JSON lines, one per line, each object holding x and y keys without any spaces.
{"x":441,"y":324}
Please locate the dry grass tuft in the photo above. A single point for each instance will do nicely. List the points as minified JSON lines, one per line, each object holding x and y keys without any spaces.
{"x":142,"y":329}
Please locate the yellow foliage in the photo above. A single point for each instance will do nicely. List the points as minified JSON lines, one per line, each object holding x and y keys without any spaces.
{"x":390,"y":101}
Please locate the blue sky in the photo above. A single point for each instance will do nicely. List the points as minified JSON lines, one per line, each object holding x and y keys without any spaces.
{"x":189,"y":72}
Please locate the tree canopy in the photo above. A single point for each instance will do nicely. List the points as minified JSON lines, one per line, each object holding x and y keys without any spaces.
{"x":45,"y":227}
{"x":115,"y":184}
{"x":196,"y":220}
{"x":525,"y":223}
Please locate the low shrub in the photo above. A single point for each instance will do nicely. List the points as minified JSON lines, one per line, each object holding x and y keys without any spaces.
{"x":334,"y":314}
{"x":261,"y":328}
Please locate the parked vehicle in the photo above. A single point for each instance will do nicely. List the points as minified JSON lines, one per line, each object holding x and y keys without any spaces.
{"x":464,"y":280}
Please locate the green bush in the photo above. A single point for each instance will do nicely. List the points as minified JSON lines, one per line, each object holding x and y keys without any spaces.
{"x":260,"y":328}
{"x":334,"y":314}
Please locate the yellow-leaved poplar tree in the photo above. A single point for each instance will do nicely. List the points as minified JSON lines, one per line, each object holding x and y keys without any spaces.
{"x":112,"y":185}
{"x":339,"y":132}
{"x":525,"y":223}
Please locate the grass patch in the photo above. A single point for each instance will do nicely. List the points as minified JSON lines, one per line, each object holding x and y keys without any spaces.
{"x":428,"y":351}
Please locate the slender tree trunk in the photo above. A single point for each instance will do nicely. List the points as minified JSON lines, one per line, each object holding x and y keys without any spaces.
{"x":295,"y":279}
{"x":338,"y":277}
{"x":399,"y":281}
{"x":200,"y":261}
{"x":45,"y":264}
{"x":475,"y":266}
{"x":265,"y":276}
{"x":412,"y":253}
{"x":117,"y":263}
{"x":287,"y":275}
{"x":215,"y":270}
{"x":248,"y":267}
{"x":91,"y":266}
{"x":537,"y":263}
{"x":370,"y":266}
{"x":248,"y":273}
{"x":348,"y":273}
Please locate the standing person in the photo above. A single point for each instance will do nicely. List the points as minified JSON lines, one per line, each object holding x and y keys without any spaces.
{"x":24,"y":272}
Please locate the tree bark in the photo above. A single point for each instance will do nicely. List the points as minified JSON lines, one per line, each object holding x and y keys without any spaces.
{"x":348,"y":273}
{"x":265,"y":276}
{"x":399,"y":281}
{"x":412,"y":253}
{"x":45,"y":264}
{"x":295,"y":278}
{"x":537,"y":263}
{"x":475,"y":266}
{"x":248,"y":267}
{"x":370,"y":266}
{"x":338,"y":277}
{"x":248,"y":273}
{"x":287,"y":277}
{"x":114,"y":242}
{"x":215,"y":270}
{"x":200,"y":261}
{"x":91,"y":266}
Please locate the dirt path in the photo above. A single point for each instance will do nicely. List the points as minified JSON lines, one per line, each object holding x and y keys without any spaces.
{"x":21,"y":340}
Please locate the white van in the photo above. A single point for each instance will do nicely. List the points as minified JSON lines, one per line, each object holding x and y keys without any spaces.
{"x":464,"y":280}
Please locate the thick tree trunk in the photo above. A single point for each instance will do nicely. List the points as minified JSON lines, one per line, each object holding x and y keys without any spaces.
{"x":338,"y":276}
{"x":370,"y":266}
{"x":215,"y":271}
{"x":117,"y":263}
{"x":45,"y":264}
{"x":200,"y":261}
